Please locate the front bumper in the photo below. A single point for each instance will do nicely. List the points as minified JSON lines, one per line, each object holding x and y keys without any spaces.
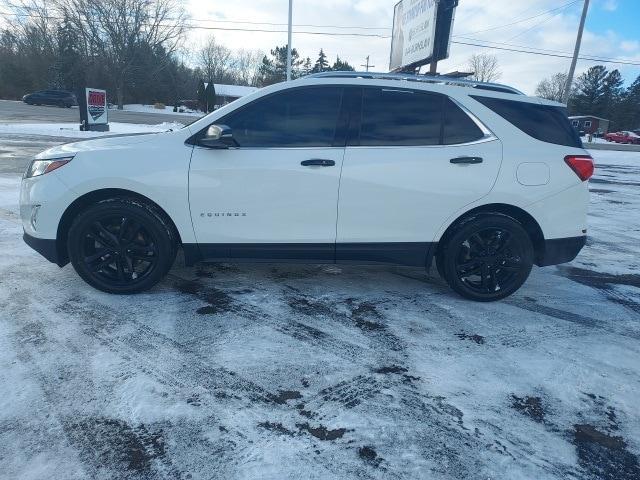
{"x":561,"y":250}
{"x":46,"y":247}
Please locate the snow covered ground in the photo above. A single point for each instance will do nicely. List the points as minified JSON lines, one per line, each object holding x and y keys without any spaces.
{"x":316,"y":372}
{"x":72,"y":130}
{"x":168,"y":109}
{"x":586,"y":142}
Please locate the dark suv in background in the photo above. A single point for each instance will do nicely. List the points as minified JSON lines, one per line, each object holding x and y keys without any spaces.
{"x":60,"y":98}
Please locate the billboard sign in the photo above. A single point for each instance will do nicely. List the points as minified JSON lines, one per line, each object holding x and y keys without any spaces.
{"x":421,"y":32}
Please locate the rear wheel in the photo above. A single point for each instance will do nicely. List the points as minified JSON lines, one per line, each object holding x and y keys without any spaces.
{"x":487,"y":258}
{"x":121,"y":246}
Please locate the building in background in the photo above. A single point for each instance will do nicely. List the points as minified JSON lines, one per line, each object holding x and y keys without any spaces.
{"x":228,"y":93}
{"x":588,"y":124}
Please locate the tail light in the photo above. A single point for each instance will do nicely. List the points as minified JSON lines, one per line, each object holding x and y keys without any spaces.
{"x":582,"y":165}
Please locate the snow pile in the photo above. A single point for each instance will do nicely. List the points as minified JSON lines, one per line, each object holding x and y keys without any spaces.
{"x":140,"y":108}
{"x":72,"y":130}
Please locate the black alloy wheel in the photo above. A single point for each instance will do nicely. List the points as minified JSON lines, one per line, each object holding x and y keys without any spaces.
{"x":121,"y":246}
{"x":488,"y":258}
{"x":119,"y":249}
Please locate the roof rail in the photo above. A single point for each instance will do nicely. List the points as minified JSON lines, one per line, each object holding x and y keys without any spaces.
{"x":442,"y":79}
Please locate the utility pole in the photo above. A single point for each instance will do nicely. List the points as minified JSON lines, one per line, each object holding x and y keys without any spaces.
{"x":368,"y":65}
{"x":289,"y":41}
{"x":576,"y":53}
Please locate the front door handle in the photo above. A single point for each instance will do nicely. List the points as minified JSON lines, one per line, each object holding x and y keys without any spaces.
{"x":317,"y":162}
{"x":466,"y":160}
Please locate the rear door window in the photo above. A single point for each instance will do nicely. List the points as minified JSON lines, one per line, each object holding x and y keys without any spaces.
{"x":546,"y":123}
{"x":393,"y":117}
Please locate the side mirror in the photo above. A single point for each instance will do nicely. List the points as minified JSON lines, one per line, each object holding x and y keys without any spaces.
{"x":218,"y":136}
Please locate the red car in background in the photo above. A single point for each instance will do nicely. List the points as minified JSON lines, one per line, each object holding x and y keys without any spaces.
{"x":623,"y":137}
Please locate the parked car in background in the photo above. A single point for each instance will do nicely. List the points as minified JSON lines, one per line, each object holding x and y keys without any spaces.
{"x":60,"y":98}
{"x":623,"y":137}
{"x":331,"y":168}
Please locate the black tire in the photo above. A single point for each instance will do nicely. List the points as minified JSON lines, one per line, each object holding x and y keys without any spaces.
{"x":121,"y":246}
{"x":487,"y":257}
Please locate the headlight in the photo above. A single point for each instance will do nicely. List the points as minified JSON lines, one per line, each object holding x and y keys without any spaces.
{"x":40,"y":167}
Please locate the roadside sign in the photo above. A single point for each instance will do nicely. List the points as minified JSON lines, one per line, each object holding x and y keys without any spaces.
{"x":421,"y":32}
{"x":94,"y":114}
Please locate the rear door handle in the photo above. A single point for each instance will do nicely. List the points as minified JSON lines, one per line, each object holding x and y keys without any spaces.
{"x":317,"y":162}
{"x":466,"y":160}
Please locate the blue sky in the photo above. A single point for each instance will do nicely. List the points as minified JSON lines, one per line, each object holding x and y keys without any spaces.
{"x":621,"y":17}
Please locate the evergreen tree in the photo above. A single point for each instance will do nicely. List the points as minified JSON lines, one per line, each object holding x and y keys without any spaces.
{"x":611,"y":96}
{"x":274,"y":69}
{"x":202,"y":96}
{"x":306,"y":66}
{"x":68,"y":70}
{"x":630,"y":107}
{"x":210,"y":97}
{"x":342,"y":66}
{"x":589,"y":91}
{"x":321,"y":65}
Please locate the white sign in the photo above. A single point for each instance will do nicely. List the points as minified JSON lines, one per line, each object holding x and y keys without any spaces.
{"x":414,"y":29}
{"x":97,"y":112}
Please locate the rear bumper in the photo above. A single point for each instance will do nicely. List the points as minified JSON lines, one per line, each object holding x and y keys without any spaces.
{"x":561,"y":250}
{"x":45,"y":247}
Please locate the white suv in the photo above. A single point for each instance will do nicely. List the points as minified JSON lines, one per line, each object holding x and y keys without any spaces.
{"x":331,"y":168}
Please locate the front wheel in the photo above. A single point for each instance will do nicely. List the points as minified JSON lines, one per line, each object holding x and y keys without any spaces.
{"x":487,"y":258}
{"x":121,"y":246}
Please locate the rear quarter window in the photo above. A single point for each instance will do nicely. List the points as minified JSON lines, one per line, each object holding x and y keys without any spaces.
{"x":458,"y":128}
{"x":543,"y":122}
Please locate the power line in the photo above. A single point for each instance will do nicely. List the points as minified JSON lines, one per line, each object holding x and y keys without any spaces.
{"x":543,"y":21}
{"x":354,"y":27}
{"x":515,"y":45}
{"x":229,"y":29}
{"x":507,"y":47}
{"x":532,"y":52}
{"x":546,"y":12}
{"x":237,"y":22}
{"x":298,"y":32}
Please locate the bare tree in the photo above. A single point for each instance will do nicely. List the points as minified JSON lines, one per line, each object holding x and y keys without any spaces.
{"x":484,"y":67}
{"x":552,"y":88}
{"x":247,"y":65}
{"x":113,"y":30}
{"x":216,"y":61}
{"x":34,"y":32}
